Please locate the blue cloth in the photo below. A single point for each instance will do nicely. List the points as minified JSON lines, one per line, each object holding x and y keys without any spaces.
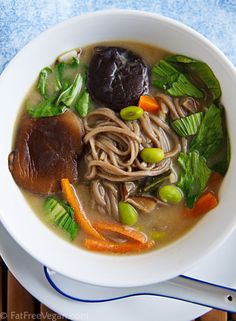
{"x":22,"y":20}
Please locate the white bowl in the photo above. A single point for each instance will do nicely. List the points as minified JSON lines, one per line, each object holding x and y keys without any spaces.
{"x":16,"y":215}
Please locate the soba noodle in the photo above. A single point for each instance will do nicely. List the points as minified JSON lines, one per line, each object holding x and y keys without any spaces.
{"x":114,"y":146}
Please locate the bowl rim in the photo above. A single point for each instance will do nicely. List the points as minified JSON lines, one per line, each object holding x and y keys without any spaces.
{"x":138,"y":14}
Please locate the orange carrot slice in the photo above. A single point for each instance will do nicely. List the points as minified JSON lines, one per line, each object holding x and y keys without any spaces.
{"x":204,"y":204}
{"x":108,"y":246}
{"x":148,"y":103}
{"x":80,"y":216}
{"x":127,"y":231}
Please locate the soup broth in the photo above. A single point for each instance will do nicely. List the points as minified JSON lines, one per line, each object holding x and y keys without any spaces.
{"x":161,"y":219}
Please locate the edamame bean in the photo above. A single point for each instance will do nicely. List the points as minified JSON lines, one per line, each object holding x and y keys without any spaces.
{"x":171,"y":194}
{"x":127,"y":214}
{"x":131,"y":113}
{"x":152,"y":155}
{"x":157,"y":235}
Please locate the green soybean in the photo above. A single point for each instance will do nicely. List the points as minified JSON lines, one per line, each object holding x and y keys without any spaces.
{"x":171,"y":194}
{"x":157,"y":235}
{"x":152,"y":155}
{"x":127,"y":214}
{"x":131,"y":113}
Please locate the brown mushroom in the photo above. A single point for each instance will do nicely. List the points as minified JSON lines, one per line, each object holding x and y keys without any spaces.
{"x":145,"y":203}
{"x":117,"y":77}
{"x":46,"y":150}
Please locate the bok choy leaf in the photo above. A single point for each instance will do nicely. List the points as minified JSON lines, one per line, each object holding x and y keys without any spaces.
{"x":42,"y":81}
{"x":168,"y":78}
{"x":69,"y":95}
{"x":209,"y":138}
{"x":194,"y":176}
{"x":201,"y":70}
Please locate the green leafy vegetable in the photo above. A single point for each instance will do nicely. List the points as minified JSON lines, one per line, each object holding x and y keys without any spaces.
{"x":209,"y":138}
{"x":194,"y":176}
{"x":223,"y":164}
{"x":202,"y":71}
{"x":82,"y":104}
{"x":189,"y":125}
{"x":59,"y":72}
{"x":174,"y":82}
{"x":75,"y":62}
{"x":46,"y":109}
{"x":42,"y":82}
{"x":69,"y":95}
{"x":61,"y":215}
{"x":151,"y":184}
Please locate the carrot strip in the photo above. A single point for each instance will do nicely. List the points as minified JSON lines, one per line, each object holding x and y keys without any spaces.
{"x":205,"y":203}
{"x":148,"y":103}
{"x":108,"y":246}
{"x":80,"y":216}
{"x":123,"y":230}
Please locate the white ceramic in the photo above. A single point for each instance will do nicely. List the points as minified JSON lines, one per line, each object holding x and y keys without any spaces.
{"x":17,"y":216}
{"x":218,"y":267}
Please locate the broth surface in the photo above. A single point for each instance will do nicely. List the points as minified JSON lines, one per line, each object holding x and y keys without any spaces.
{"x":168,"y":219}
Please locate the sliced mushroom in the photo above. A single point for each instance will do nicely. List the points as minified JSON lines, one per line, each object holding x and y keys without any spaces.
{"x":46,"y":151}
{"x":144,"y":203}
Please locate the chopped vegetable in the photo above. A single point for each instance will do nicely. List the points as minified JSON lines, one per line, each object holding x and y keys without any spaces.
{"x":46,"y":109}
{"x":148,"y":103}
{"x":59,"y":72}
{"x":194,"y":176}
{"x":75,"y":62}
{"x":61,"y":215}
{"x":126,"y":231}
{"x":202,"y":71}
{"x":82,"y":104}
{"x":171,"y":194}
{"x":42,"y":82}
{"x":224,"y":159}
{"x":157,"y":235}
{"x":80,"y":216}
{"x":174,"y":82}
{"x":209,"y":138}
{"x":152,"y":185}
{"x":69,"y":56}
{"x":189,"y":125}
{"x":69,"y":95}
{"x":204,"y":204}
{"x":145,"y":203}
{"x":109,"y":246}
{"x":152,"y":155}
{"x":127,"y":214}
{"x":131,"y":113}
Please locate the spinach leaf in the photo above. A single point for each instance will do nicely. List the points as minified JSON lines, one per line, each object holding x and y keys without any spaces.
{"x":46,"y":109}
{"x":194,"y":176}
{"x":202,"y":71}
{"x":42,"y":81}
{"x":174,"y":82}
{"x":69,"y":95}
{"x":209,"y":138}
